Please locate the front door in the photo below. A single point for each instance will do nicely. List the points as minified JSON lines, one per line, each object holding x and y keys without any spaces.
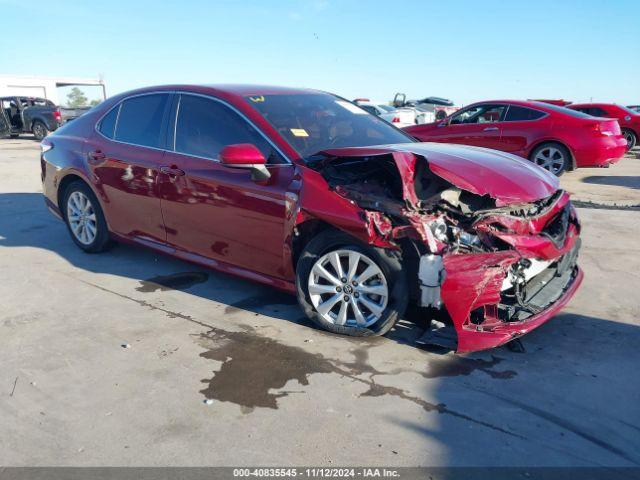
{"x":215,"y":211}
{"x":479,"y":126}
{"x":125,"y":157}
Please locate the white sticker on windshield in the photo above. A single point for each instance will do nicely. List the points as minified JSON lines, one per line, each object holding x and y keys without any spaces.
{"x":351,"y":107}
{"x":299,"y":132}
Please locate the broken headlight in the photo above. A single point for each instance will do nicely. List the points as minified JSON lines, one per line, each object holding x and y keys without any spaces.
{"x":439,"y":229}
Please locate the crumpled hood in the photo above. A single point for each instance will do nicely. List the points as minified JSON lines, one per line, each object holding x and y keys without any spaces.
{"x":504,"y":177}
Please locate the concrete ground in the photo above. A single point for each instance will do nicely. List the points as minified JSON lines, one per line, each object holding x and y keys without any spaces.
{"x":618,"y":185}
{"x":282,"y":392}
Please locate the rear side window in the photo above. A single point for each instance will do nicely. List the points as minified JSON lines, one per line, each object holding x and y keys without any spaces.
{"x":108,"y":123}
{"x":518,"y":114}
{"x":140,"y":120}
{"x":204,"y":127}
{"x":566,"y":111}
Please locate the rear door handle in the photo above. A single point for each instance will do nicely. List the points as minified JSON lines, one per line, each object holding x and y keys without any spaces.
{"x":491,"y":129}
{"x":172,"y":171}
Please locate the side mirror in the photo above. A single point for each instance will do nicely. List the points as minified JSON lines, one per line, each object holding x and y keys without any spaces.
{"x":245,"y":155}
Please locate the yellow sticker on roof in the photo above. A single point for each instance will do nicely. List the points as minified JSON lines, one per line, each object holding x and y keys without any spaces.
{"x":299,"y":132}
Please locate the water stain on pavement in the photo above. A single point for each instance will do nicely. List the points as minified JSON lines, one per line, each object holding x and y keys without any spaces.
{"x":255,"y":369}
{"x":253,"y":366}
{"x":262,"y":301}
{"x":457,"y":366}
{"x":176,"y":281}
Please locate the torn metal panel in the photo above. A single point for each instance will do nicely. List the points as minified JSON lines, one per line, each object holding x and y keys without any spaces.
{"x":497,"y":239}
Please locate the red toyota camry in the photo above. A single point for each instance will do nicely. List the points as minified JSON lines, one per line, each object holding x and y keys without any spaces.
{"x":551,"y":136}
{"x":628,"y":119}
{"x":305,"y":191}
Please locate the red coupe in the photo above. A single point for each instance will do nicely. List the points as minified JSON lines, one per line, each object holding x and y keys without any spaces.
{"x":628,"y":119}
{"x":551,"y":136}
{"x":305,"y":191}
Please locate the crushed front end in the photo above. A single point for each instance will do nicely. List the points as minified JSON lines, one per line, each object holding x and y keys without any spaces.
{"x":491,"y":260}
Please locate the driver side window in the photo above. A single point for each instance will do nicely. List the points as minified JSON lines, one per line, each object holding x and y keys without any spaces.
{"x":205,"y":126}
{"x":479,"y":114}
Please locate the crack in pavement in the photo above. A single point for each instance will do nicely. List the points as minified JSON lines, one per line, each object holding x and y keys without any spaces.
{"x":223,"y":385}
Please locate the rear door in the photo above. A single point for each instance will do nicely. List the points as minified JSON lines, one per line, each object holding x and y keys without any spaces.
{"x":125,"y":157}
{"x":478,"y":125}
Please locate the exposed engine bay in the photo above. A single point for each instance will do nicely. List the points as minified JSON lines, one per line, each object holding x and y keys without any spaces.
{"x":487,"y":260}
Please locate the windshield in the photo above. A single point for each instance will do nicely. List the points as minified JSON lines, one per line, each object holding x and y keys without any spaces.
{"x":314,"y":122}
{"x":566,"y":111}
{"x":386,"y":108}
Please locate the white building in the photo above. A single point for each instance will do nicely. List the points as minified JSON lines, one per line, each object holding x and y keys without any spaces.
{"x":44,"y":87}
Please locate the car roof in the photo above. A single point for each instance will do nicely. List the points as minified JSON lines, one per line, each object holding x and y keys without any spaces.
{"x":593,"y":104}
{"x":233,"y":89}
{"x":523,"y":103}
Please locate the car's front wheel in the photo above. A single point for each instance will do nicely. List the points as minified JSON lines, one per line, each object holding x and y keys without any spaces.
{"x":85,"y":219}
{"x":630,"y":137}
{"x":40,"y":130}
{"x":552,"y":157}
{"x":349,"y":288}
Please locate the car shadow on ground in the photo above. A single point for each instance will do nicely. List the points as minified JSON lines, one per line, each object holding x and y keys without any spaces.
{"x":629,"y":181}
{"x":26,"y":222}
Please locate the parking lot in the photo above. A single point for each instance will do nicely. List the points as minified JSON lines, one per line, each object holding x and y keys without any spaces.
{"x":131,"y":358}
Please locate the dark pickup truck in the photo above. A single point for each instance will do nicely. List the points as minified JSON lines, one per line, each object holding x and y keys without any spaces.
{"x":28,"y":115}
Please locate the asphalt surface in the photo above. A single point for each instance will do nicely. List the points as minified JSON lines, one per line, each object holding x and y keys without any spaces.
{"x":109,"y":360}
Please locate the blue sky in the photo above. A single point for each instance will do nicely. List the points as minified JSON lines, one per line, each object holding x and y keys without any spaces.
{"x":463,"y":50}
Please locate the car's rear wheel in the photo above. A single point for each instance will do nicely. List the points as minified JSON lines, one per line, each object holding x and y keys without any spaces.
{"x":349,"y":288}
{"x":552,"y":157}
{"x":85,"y":219}
{"x":40,"y":130}
{"x":630,"y":137}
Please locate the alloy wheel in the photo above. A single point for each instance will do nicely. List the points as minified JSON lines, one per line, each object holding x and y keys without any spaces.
{"x":38,"y":130}
{"x":82,"y":218}
{"x":550,"y":158}
{"x":348,"y":288}
{"x":630,"y":138}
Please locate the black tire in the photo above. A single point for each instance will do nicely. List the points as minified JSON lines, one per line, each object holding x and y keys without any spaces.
{"x":102,"y":240}
{"x":14,"y":135}
{"x":39,"y":130}
{"x":561,"y":149}
{"x":630,"y":137}
{"x":388,"y":262}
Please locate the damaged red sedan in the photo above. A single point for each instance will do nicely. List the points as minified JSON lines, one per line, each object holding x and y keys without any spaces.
{"x":305,"y":191}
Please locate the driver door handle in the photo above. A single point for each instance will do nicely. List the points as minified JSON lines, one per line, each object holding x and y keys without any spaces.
{"x":172,"y":171}
{"x":491,"y":129}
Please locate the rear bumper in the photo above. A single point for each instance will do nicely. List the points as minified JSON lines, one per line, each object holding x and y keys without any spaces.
{"x":602,"y":153}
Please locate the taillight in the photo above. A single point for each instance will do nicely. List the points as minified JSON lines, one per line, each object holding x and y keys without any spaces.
{"x":395,"y":120}
{"x":606,"y":129}
{"x":57,"y":115}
